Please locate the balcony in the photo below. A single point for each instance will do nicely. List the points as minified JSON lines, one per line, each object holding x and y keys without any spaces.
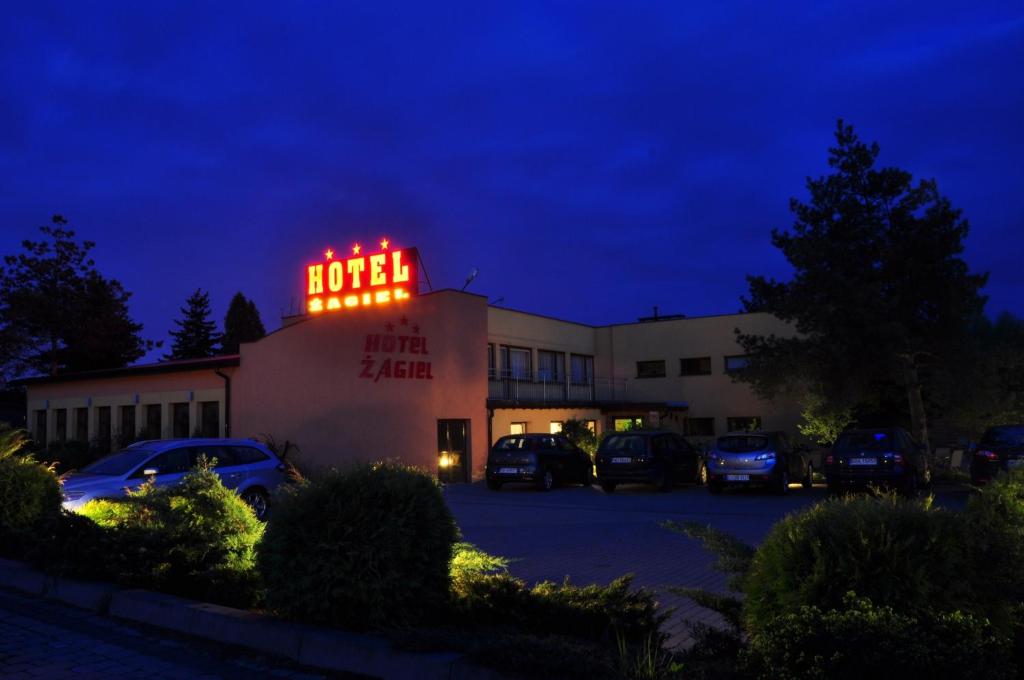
{"x":540,"y":390}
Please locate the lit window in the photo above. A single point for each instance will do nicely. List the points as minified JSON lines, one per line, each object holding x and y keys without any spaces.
{"x":517,"y":428}
{"x":736,"y":363}
{"x":627,"y":424}
{"x":591,"y":425}
{"x":556,"y":427}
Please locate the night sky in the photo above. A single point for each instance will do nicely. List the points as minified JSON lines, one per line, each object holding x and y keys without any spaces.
{"x":591,"y":160}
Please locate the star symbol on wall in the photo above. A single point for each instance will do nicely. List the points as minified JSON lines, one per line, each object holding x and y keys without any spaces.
{"x":404,"y":321}
{"x":390,"y":328}
{"x":356,"y":248}
{"x":415,"y":330}
{"x":384,"y":243}
{"x":329,"y":254}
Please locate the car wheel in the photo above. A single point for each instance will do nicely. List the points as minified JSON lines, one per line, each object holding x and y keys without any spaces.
{"x":608,"y":487}
{"x":546,"y":481}
{"x":588,"y":477}
{"x":702,"y":475}
{"x":783,"y":488}
{"x":493,"y":485}
{"x":258,"y":501}
{"x":715,"y":487}
{"x":808,"y":481}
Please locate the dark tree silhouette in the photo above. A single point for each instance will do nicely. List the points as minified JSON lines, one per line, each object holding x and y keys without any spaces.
{"x":197,"y":335}
{"x":241,"y":324}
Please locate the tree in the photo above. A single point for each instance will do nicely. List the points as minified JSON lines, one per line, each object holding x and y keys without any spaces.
{"x":241,"y":324}
{"x":580,"y":434}
{"x":197,"y":335}
{"x":880,"y":298}
{"x":57,"y":313}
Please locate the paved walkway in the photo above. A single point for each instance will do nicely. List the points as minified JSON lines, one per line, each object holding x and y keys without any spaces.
{"x":44,"y":639}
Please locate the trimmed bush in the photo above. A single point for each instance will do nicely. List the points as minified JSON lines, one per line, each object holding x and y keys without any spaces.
{"x":364,"y":548}
{"x":863,"y":640}
{"x":30,"y":496}
{"x":903,"y":553}
{"x":195,"y":539}
{"x":995,"y":540}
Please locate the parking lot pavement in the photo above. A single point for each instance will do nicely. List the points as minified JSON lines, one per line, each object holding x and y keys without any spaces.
{"x":45,"y":639}
{"x":594,"y":537}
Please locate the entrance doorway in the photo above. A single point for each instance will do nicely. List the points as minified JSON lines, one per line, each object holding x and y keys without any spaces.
{"x":453,"y":450}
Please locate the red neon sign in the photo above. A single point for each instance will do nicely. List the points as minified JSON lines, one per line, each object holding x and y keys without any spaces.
{"x":363,"y":279}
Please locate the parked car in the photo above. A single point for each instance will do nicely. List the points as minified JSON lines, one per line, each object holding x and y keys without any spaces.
{"x":244,"y":465}
{"x":1000,"y":449}
{"x":539,"y":459}
{"x":885,"y":457}
{"x":660,"y":458}
{"x":767,"y":459}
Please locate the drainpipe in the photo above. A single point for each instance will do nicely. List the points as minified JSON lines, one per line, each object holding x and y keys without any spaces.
{"x":227,"y":401}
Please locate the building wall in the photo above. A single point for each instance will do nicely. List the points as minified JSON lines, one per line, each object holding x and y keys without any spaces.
{"x":191,"y":387}
{"x":305,"y":383}
{"x":519,"y":329}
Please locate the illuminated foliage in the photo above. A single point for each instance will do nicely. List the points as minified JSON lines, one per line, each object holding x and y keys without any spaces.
{"x":29,"y":493}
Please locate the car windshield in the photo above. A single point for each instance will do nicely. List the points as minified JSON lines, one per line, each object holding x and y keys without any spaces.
{"x":120,"y":463}
{"x":625,"y":443}
{"x":1004,"y":436}
{"x":855,"y":442}
{"x":514,"y":444}
{"x":742,"y":443}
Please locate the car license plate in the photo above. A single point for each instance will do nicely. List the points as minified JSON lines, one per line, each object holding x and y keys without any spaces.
{"x":737,"y":478}
{"x":863,"y":461}
{"x":622,"y":460}
{"x":508,"y":471}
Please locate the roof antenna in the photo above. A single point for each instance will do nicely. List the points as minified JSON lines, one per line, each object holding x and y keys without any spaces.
{"x":495,"y":302}
{"x":655,"y":312}
{"x":469,"y":279}
{"x":423,"y":268}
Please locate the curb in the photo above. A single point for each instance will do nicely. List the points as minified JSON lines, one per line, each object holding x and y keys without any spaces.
{"x":322,"y":648}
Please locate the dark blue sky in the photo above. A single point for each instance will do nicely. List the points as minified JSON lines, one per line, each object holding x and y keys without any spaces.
{"x":591,"y":159}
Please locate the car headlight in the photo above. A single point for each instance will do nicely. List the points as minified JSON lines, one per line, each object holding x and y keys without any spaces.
{"x":765,"y":456}
{"x":73,"y":495}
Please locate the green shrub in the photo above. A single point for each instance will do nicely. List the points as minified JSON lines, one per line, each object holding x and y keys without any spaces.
{"x":30,"y":495}
{"x":862,"y":640}
{"x":995,"y":540}
{"x":75,"y":546}
{"x":602,"y":614}
{"x":367,"y":547}
{"x":195,"y":539}
{"x":903,"y":553}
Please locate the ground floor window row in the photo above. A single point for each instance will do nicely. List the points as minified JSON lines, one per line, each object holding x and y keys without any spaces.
{"x":690,"y":427}
{"x":114,"y":426}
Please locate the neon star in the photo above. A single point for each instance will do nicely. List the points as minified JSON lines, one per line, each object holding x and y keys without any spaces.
{"x":356,"y":248}
{"x":384,"y":244}
{"x":329,"y":254}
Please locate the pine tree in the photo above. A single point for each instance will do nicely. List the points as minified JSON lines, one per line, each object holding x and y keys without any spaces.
{"x":241,"y":324}
{"x":197,"y":335}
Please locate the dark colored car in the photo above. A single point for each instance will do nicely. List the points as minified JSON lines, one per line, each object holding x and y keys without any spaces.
{"x":757,"y":459}
{"x":660,"y":458}
{"x":539,"y":459}
{"x":885,"y":457}
{"x":1000,"y":449}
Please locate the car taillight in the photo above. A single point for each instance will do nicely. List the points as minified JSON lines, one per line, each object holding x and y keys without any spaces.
{"x":829,"y":460}
{"x":987,"y":455}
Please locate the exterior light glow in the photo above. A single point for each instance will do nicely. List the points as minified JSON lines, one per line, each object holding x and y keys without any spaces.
{"x":333,"y":303}
{"x":445,"y":460}
{"x":362,"y":280}
{"x":329,"y":254}
{"x":382,"y":296}
{"x":316,"y":305}
{"x":384,"y":243}
{"x":356,"y":248}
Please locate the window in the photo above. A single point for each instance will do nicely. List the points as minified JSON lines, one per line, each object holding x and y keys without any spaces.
{"x":556,"y":427}
{"x":209,"y":418}
{"x":517,"y":428}
{"x":591,"y":425}
{"x":516,"y":362}
{"x":179,"y":418}
{"x":736,"y":363}
{"x":695,"y":366}
{"x":699,"y":427}
{"x":40,"y":435}
{"x":650,"y":369}
{"x":627,"y":424}
{"x":82,"y":424}
{"x":247,"y":455}
{"x":743,"y":424}
{"x":154,"y":426}
{"x":581,"y":368}
{"x":127,"y":424}
{"x":550,"y":365}
{"x":490,"y":361}
{"x":171,"y":462}
{"x":61,"y":433}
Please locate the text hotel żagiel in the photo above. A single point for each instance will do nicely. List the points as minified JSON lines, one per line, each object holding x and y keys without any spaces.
{"x":362,"y":280}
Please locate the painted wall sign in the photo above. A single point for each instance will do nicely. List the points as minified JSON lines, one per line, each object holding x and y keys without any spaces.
{"x":399,"y":353}
{"x":362,"y":280}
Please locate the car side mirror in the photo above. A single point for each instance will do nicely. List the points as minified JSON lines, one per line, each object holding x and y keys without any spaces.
{"x":150,"y":472}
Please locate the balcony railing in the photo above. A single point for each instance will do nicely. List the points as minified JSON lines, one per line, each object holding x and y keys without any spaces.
{"x":541,"y":389}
